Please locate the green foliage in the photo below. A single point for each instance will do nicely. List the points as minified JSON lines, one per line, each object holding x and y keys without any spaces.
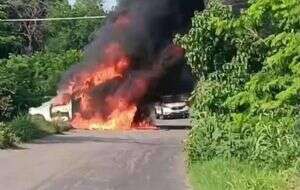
{"x":57,"y":36}
{"x":277,"y":85}
{"x":203,"y":44}
{"x":73,"y":34}
{"x":7,"y":138}
{"x":246,"y":103}
{"x":28,"y":80}
{"x":9,"y":41}
{"x":31,"y":33}
{"x":25,"y":81}
{"x":24,"y":129}
{"x":27,"y":128}
{"x":231,"y":174}
{"x":265,"y":140}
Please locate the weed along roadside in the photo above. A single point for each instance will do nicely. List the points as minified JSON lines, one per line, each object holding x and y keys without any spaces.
{"x":25,"y":129}
{"x":245,"y":108}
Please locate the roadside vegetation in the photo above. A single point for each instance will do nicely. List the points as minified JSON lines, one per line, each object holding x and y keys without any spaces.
{"x":232,"y":174}
{"x":245,"y":108}
{"x":24,"y":129}
{"x":33,"y":56}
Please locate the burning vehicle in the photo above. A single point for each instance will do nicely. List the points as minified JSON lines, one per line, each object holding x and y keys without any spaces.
{"x":168,"y":107}
{"x":53,"y":113}
{"x":126,"y":64}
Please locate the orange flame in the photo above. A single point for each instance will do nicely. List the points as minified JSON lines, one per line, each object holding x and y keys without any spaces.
{"x":119,"y":119}
{"x":116,"y":109}
{"x":122,"y":109}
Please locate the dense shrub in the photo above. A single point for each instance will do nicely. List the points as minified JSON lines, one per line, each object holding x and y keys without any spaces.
{"x":25,"y":81}
{"x":24,"y":129}
{"x":7,"y":138}
{"x":247,"y":99}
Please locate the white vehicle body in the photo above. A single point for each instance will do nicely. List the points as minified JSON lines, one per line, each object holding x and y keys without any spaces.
{"x":172,"y":110}
{"x":53,"y":113}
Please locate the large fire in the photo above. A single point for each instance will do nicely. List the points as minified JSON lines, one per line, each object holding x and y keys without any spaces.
{"x":115,"y":111}
{"x":132,"y":52}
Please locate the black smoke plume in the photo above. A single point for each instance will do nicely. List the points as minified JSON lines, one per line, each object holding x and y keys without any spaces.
{"x":144,"y":29}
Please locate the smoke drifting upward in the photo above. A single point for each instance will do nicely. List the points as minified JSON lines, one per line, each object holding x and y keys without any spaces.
{"x":132,"y":52}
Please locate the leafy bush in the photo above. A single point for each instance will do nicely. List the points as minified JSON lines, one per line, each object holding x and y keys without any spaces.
{"x":73,"y":34}
{"x":6,"y":106}
{"x":24,"y":129}
{"x":10,"y":41}
{"x":247,"y":99}
{"x":25,"y":81}
{"x":265,"y":140}
{"x":7,"y":138}
{"x":55,"y":127}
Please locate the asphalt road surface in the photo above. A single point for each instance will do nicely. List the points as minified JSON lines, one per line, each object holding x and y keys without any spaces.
{"x":174,"y":123}
{"x":90,"y":160}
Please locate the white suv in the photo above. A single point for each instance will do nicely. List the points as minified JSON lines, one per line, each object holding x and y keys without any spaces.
{"x":172,"y":107}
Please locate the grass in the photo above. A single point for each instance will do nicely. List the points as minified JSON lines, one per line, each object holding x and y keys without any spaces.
{"x":234,"y":175}
{"x":25,"y":129}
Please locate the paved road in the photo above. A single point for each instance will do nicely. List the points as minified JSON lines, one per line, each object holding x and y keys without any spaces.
{"x":175,"y":123}
{"x":82,"y":160}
